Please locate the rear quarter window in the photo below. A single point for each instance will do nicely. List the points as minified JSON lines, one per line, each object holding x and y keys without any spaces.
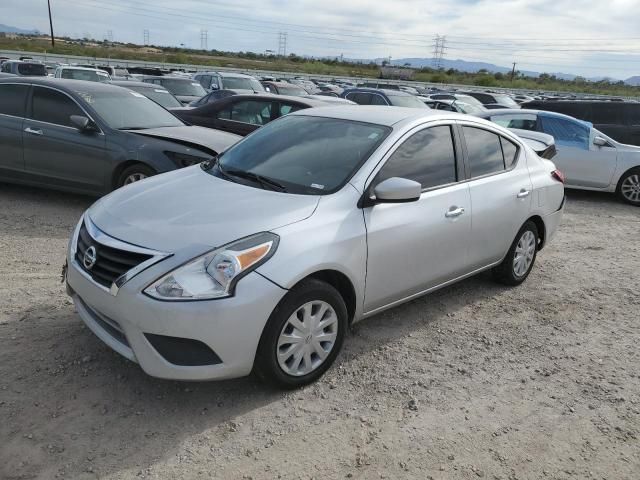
{"x":13,"y":99}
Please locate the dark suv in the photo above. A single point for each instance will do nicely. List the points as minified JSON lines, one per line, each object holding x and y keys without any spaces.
{"x":24,"y":69}
{"x":619,"y":120}
{"x":380,"y":96}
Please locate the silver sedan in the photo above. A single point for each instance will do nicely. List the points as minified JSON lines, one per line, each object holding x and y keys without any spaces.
{"x":259,"y":261}
{"x":590,"y":159}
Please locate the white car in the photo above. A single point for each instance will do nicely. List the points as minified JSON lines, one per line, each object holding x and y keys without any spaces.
{"x":82,"y":73}
{"x":259,"y":261}
{"x":589,"y":159}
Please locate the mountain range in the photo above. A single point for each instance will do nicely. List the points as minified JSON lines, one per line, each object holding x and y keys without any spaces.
{"x":10,"y":29}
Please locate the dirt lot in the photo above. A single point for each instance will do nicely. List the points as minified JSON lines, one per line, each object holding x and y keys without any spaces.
{"x":474,"y":381}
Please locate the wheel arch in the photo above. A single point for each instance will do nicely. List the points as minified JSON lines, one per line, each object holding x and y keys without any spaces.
{"x":342,"y":284}
{"x":624,"y":174}
{"x":542,"y":229}
{"x":121,"y":167}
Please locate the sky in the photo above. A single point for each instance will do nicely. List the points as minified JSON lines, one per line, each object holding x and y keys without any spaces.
{"x":588,"y":38}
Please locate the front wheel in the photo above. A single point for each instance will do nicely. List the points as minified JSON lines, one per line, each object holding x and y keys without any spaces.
{"x":629,"y":187}
{"x":303,"y":336}
{"x":517,"y":264}
{"x":134,"y":173}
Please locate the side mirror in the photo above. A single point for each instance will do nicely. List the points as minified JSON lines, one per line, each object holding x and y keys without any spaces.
{"x":83,"y":123}
{"x":397,"y":190}
{"x":600,"y":142}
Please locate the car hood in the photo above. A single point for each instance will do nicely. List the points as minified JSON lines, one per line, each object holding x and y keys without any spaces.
{"x":191,"y":207}
{"x":215,"y":141}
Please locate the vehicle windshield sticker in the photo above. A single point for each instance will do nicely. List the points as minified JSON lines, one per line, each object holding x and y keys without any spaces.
{"x":87,"y":97}
{"x":136,"y":94}
{"x":319,"y":187}
{"x":374,"y":135}
{"x":195,"y":84}
{"x":160,"y":91}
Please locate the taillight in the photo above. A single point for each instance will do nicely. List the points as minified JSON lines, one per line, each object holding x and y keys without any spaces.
{"x":558,"y":175}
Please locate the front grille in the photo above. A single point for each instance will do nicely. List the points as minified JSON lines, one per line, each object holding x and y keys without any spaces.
{"x":110,"y":262}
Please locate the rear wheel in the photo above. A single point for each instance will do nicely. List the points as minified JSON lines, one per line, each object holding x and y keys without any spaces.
{"x":134,"y":173}
{"x":629,"y":187}
{"x":517,"y":264}
{"x":303,"y":335}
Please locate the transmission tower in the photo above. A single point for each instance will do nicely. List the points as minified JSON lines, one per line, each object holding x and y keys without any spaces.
{"x":282,"y":44}
{"x":438,"y":50}
{"x":110,"y":36}
{"x":145,"y":34}
{"x":203,"y":40}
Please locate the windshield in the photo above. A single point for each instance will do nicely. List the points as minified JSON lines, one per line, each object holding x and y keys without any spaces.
{"x":506,"y":100}
{"x":32,"y":69}
{"x":406,"y":101}
{"x":470,"y":108}
{"x":129,"y":110}
{"x":292,"y":90}
{"x":469,"y":100}
{"x":159,"y":95}
{"x":241,"y":83}
{"x":183,"y":87}
{"x":88,"y":75}
{"x":306,"y":155}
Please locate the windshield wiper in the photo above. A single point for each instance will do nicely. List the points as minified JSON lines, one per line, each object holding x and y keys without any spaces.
{"x":262,"y":180}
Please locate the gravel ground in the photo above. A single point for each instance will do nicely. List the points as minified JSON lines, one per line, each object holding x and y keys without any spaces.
{"x":474,"y":381}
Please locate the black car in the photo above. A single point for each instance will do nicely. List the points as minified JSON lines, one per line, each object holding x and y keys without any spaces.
{"x":619,"y":120}
{"x":92,"y":137}
{"x":157,"y":93}
{"x":24,"y":69}
{"x":284,"y":88}
{"x":213,"y":96}
{"x":242,"y":114}
{"x":186,"y":90}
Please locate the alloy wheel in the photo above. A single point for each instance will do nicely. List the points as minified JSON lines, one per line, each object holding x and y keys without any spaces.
{"x":630,"y":188}
{"x":525,"y":251}
{"x":134,"y":177}
{"x":307,"y":338}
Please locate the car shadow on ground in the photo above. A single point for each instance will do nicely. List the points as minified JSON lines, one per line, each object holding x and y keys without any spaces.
{"x":76,"y":405}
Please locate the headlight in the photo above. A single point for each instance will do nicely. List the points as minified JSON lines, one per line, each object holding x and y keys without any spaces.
{"x":215,"y":274}
{"x":184,"y":159}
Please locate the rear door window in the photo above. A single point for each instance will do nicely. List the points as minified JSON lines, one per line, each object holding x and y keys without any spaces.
{"x":288,"y":108}
{"x":524,"y":121}
{"x":360,"y":98}
{"x":52,"y":106}
{"x":13,"y":99}
{"x":510,"y":152}
{"x":253,"y":112}
{"x":378,"y":100}
{"x":484,"y":151}
{"x":427,"y":157}
{"x":32,"y":69}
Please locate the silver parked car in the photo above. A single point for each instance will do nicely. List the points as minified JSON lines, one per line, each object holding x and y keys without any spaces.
{"x":261,"y":259}
{"x":589,"y":159}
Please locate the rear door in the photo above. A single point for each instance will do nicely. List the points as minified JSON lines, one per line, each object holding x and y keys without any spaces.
{"x":501,"y":192}
{"x":55,"y":152}
{"x":13,"y":104}
{"x":415,"y":246}
{"x":583,"y":163}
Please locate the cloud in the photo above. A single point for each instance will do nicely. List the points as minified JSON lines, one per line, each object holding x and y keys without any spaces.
{"x":576,"y":36}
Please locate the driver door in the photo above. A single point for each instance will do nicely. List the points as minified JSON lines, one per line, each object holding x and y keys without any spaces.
{"x":583,"y":163}
{"x":415,"y":246}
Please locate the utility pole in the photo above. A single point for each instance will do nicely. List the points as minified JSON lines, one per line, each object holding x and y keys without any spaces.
{"x":513,"y":71}
{"x":204,"y":40}
{"x":53,"y":42}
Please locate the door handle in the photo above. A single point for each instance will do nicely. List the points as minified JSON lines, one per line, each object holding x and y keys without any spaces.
{"x":523,"y":193}
{"x":454,"y":212}
{"x":33,"y":131}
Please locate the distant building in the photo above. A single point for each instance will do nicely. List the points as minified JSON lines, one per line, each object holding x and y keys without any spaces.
{"x":9,"y":35}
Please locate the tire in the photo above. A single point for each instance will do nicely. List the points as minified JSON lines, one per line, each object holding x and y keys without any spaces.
{"x":511,"y":273}
{"x":139,"y":170}
{"x":629,"y":187}
{"x":282,"y":370}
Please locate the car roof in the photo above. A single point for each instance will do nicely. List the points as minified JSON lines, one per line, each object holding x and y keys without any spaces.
{"x":387,"y":92}
{"x":281,"y":84}
{"x":164,"y":77}
{"x":133,"y":83}
{"x":66,"y":85}
{"x":311,"y":102}
{"x":74,"y":67}
{"x":516,"y":111}
{"x":378,"y":114}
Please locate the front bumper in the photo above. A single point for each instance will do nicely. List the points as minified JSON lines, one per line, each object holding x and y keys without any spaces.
{"x":230,"y":327}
